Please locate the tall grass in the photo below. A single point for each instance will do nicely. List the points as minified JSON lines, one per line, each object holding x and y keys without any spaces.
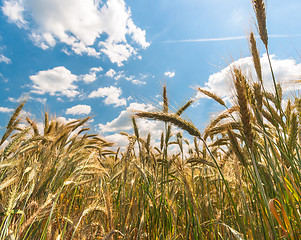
{"x":240,"y":179}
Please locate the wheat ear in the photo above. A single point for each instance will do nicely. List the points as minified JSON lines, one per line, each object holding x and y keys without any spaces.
{"x":171,"y":118}
{"x":184,"y":107}
{"x":213,"y":96}
{"x":236,"y":148}
{"x":255,"y":55}
{"x":165,"y":100}
{"x":13,"y":122}
{"x":259,"y":9}
{"x":245,"y":114}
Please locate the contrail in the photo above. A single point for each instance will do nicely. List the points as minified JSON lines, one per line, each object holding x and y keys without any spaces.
{"x":227,"y":38}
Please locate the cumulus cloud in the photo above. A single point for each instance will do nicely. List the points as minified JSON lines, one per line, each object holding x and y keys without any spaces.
{"x":118,"y":52}
{"x":111,"y":95}
{"x":124,"y":123}
{"x":119,"y":140}
{"x":6,"y":110}
{"x":137,"y":34}
{"x":88,"y":78}
{"x":79,"y":110}
{"x":285,"y":70}
{"x":4,"y":59}
{"x":111,"y":73}
{"x":170,"y":74}
{"x":57,"y":81}
{"x":86,"y":27}
{"x":64,"y":120}
{"x":91,"y":76}
{"x":14,"y":9}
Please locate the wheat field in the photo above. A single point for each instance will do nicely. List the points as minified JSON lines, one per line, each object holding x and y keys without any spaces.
{"x":240,"y":179}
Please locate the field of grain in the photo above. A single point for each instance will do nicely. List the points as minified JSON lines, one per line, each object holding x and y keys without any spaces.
{"x":240,"y":179}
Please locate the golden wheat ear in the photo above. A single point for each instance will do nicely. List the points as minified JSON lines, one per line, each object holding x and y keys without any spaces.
{"x":173,"y":119}
{"x":13,"y":122}
{"x":259,"y":9}
{"x":165,"y":100}
{"x":135,"y":128}
{"x":244,"y":111}
{"x":255,"y":56}
{"x":236,"y":148}
{"x":33,"y":126}
{"x":184,"y":107}
{"x":213,"y":96}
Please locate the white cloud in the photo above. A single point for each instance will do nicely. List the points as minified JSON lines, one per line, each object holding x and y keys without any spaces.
{"x":111,"y":73}
{"x":26,"y":96}
{"x":170,"y":74}
{"x":121,"y":74}
{"x":88,"y":78}
{"x":135,"y":80}
{"x":65,"y":120}
{"x":4,"y":59}
{"x":96,"y":69}
{"x":118,"y":52}
{"x":81,"y":25}
{"x":111,"y":95}
{"x":6,"y":110}
{"x":16,"y":100}
{"x":91,"y":76}
{"x":79,"y":110}
{"x":138,"y":34}
{"x":40,"y":100}
{"x":14,"y":9}
{"x":56,"y":81}
{"x":123,"y":123}
{"x":285,"y":70}
{"x":119,"y":140}
{"x":115,"y":75}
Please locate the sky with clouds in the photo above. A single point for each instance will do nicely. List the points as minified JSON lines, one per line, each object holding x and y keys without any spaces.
{"x":107,"y":59}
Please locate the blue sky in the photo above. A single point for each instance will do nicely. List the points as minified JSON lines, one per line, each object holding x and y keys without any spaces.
{"x":75,"y":58}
